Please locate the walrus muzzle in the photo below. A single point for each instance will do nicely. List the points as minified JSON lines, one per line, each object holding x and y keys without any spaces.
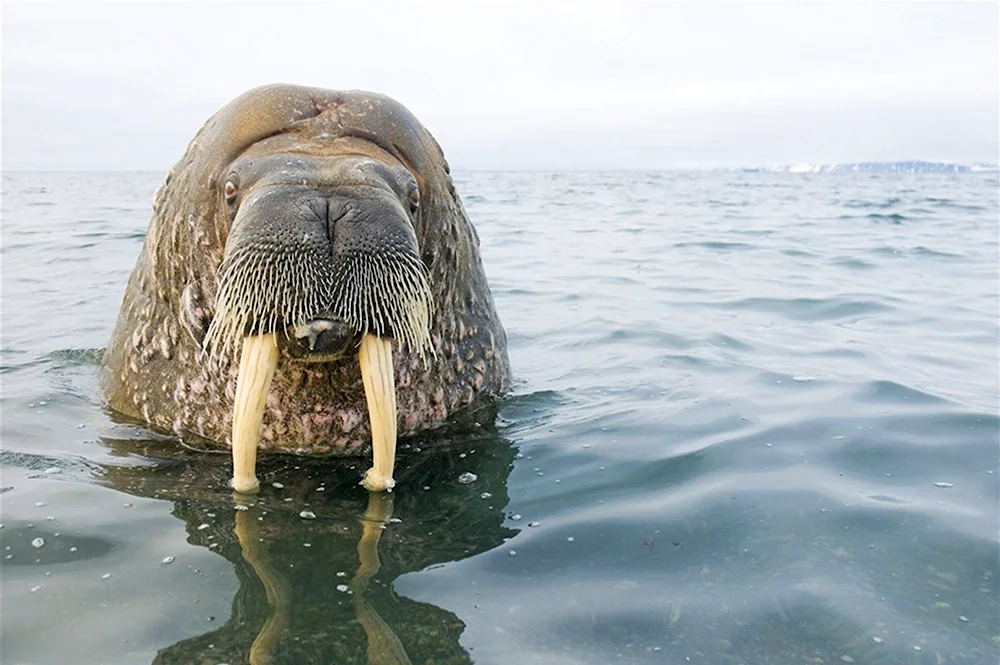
{"x":313,"y":259}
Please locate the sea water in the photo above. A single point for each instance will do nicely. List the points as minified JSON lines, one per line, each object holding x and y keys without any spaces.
{"x":754,"y":420}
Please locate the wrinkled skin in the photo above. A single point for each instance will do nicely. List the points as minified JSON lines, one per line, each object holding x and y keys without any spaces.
{"x":310,"y":174}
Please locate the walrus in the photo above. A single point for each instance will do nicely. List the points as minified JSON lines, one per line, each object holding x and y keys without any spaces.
{"x":309,"y":283}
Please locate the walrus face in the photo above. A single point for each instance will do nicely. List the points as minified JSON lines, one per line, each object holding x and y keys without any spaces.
{"x":321,"y":251}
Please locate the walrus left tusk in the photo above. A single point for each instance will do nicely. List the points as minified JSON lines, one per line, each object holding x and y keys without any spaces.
{"x":375,"y":357}
{"x":257,"y":365}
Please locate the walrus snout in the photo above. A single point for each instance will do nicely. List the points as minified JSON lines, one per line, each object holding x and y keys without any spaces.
{"x":306,"y":246}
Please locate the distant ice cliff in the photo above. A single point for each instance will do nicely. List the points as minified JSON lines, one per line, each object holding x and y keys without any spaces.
{"x":880,"y":167}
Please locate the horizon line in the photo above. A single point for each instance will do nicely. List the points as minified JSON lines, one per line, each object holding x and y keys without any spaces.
{"x":664,"y":169}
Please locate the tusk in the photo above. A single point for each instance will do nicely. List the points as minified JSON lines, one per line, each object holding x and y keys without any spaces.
{"x":375,"y":357}
{"x":257,"y":365}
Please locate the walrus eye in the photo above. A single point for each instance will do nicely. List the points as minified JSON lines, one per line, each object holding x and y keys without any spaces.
{"x":414,"y":200}
{"x":230,"y":189}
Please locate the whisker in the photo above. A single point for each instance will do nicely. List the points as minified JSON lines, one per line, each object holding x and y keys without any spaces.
{"x":262,"y":288}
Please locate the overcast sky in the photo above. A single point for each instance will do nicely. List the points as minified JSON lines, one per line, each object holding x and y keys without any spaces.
{"x":575,"y":85}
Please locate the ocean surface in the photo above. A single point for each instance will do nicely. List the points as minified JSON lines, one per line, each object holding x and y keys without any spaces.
{"x":755,"y":420}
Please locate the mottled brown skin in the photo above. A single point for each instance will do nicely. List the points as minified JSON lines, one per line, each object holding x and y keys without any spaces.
{"x":156,"y":369}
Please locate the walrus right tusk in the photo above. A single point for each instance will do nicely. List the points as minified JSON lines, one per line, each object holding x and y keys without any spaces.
{"x":375,"y":358}
{"x":257,"y":365}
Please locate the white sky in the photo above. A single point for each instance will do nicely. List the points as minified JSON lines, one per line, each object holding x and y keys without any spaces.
{"x":574,"y":85}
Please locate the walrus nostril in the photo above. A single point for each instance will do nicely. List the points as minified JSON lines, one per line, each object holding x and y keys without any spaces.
{"x":317,"y":207}
{"x":339,"y":210}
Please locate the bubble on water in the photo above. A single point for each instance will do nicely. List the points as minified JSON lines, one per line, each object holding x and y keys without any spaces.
{"x":343,"y":588}
{"x":307,"y":515}
{"x":73,"y":549}
{"x":534,"y":523}
{"x":307,"y":544}
{"x":467,"y":478}
{"x":168,"y":559}
{"x":963,"y":619}
{"x":395,"y":520}
{"x":877,"y":640}
{"x":53,"y":469}
{"x":39,"y":504}
{"x":277,"y":486}
{"x":320,"y":489}
{"x":943,"y":484}
{"x":485,"y":495}
{"x":515,"y":517}
{"x":106,"y":576}
{"x":241,"y":507}
{"x":341,"y":573}
{"x":570,"y":539}
{"x":35,"y":588}
{"x":202,"y":527}
{"x":512,"y":553}
{"x":128,"y":505}
{"x":38,"y":542}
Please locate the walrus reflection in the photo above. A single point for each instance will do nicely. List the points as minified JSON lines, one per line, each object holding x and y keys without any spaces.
{"x":291,"y":606}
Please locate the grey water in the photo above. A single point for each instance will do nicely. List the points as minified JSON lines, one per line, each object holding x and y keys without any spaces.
{"x":755,"y":420}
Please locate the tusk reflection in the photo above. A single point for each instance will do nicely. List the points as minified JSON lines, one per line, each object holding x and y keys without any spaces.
{"x":276,"y":586}
{"x":384,"y":647}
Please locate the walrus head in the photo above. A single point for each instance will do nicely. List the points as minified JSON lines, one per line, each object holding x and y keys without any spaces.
{"x":313,"y":238}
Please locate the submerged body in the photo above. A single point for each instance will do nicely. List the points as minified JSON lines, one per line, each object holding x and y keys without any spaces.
{"x":312,"y":218}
